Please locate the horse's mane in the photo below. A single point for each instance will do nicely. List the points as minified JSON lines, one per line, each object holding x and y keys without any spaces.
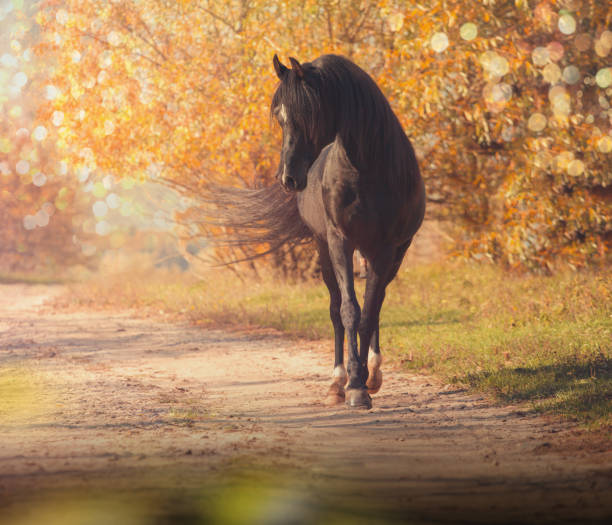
{"x":336,"y":98}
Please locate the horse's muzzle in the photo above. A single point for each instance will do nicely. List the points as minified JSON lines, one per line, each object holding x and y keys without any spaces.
{"x":291,"y":184}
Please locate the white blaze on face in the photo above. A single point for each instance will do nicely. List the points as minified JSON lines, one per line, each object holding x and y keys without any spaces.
{"x":282,"y":114}
{"x":282,"y":117}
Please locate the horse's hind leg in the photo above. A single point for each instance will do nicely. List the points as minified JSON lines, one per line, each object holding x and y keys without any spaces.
{"x":336,"y":394}
{"x":378,"y":271}
{"x":375,"y":376}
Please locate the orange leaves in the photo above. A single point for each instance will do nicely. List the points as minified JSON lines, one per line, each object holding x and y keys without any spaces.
{"x":186,"y":86}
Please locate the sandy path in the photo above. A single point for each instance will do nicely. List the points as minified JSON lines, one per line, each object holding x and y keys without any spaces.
{"x":142,"y":405}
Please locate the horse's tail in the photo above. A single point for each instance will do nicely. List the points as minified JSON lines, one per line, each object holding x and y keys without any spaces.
{"x":257,"y":221}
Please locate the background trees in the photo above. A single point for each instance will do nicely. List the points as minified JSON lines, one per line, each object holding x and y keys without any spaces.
{"x":506,"y":101}
{"x":38,"y":202}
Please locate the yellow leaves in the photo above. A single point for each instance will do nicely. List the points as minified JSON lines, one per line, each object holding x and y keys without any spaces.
{"x":188,"y":84}
{"x":41,"y":18}
{"x":395,"y":21}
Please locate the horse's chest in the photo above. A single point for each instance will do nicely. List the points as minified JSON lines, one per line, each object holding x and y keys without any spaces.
{"x":344,"y":206}
{"x":310,"y":206}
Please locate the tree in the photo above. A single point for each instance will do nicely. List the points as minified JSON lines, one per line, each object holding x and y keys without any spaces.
{"x":37,"y":201}
{"x":507,"y":102}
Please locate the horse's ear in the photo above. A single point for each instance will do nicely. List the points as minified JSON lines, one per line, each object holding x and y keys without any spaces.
{"x":297,"y":67}
{"x":280,"y":69}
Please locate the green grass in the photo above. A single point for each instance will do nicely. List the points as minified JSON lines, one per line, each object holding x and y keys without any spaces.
{"x":523,"y":338}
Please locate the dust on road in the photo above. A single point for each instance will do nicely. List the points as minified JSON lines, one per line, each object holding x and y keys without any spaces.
{"x":143,"y":405}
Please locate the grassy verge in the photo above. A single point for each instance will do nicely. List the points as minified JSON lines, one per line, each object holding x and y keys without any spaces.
{"x":545,"y":340}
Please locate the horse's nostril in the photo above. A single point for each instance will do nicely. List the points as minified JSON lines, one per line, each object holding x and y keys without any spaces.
{"x":290,"y":183}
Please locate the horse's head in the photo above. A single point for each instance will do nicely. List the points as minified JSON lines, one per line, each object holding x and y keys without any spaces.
{"x":297,"y":108}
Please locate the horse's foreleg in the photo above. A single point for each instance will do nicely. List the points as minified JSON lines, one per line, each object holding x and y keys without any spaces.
{"x":341,"y":256}
{"x":378,"y":277}
{"x":336,"y":392}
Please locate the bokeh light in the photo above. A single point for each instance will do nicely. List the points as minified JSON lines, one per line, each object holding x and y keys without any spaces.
{"x":439,"y":42}
{"x":39,"y":133}
{"x":22,"y":167}
{"x":562,"y":161}
{"x":571,"y":74}
{"x":100,"y":209}
{"x":468,"y":31}
{"x":605,"y":144}
{"x":103,"y":228}
{"x":113,"y":201}
{"x":567,"y":24}
{"x":560,"y":100}
{"x":603,"y":44}
{"x":551,"y":73}
{"x":536,"y":122}
{"x":98,"y":190}
{"x":83,"y":173}
{"x":575,"y":168}
{"x":604,"y":77}
{"x":395,"y":21}
{"x":540,"y":56}
{"x":9,"y":60}
{"x":494,"y":64}
{"x":555,"y":51}
{"x":29,"y":222}
{"x":51,"y":92}
{"x":114,"y":38}
{"x":39,"y":179}
{"x":20,"y":79}
{"x":496,"y":96}
{"x":41,"y":218}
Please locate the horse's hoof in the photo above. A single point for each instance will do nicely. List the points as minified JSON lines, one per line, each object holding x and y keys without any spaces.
{"x":335,"y":395}
{"x":374,"y":381}
{"x":358,"y":398}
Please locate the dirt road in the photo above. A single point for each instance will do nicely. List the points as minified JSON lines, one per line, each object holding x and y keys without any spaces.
{"x":194,"y":426}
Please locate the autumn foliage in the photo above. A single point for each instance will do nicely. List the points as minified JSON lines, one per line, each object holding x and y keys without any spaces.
{"x":38,"y":201}
{"x":507,"y":102}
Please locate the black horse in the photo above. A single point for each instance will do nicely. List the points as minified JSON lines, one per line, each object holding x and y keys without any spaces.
{"x":351,"y":181}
